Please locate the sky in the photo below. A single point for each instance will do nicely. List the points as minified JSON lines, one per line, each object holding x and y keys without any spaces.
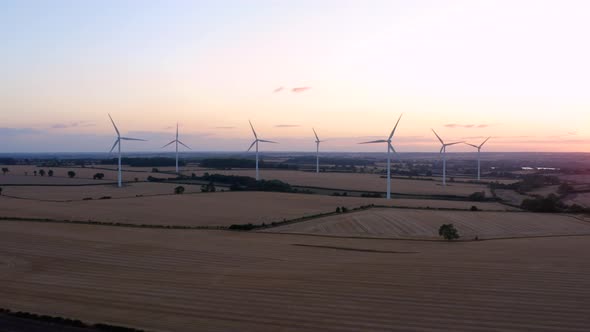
{"x":516,"y":70}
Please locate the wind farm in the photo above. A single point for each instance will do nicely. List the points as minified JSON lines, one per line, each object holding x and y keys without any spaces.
{"x":444,"y":184}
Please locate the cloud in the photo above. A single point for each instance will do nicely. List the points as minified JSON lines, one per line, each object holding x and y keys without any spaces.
{"x":279,"y":89}
{"x":456,"y":125}
{"x":301,"y":89}
{"x":287,"y":126}
{"x":72,"y":125}
{"x":18,"y":131}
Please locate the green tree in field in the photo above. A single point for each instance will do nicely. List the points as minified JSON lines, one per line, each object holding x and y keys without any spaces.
{"x":50,"y":172}
{"x":179,"y":190}
{"x":98,"y":176}
{"x":71,"y":174}
{"x":42,"y":172}
{"x":449,"y":232}
{"x":5,"y":170}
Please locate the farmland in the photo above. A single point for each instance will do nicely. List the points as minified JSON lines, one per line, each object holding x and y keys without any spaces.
{"x":219,"y":281}
{"x":362,"y":270}
{"x":360,"y":182}
{"x":422,"y":224}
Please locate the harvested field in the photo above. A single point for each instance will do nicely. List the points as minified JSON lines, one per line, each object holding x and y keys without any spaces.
{"x":582,"y":199}
{"x":223,"y":281}
{"x":511,"y":196}
{"x":361,"y":182}
{"x":68,"y":193}
{"x":17,"y":174}
{"x":202,"y":209}
{"x":421,"y":224}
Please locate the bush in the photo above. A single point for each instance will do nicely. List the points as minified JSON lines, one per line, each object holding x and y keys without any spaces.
{"x":478,"y":196}
{"x":372,"y":195}
{"x":242,"y":227}
{"x":42,"y":172}
{"x":551,"y":203}
{"x":179,"y":190}
{"x":71,"y":174}
{"x":344,"y":209}
{"x":449,"y":232}
{"x":50,"y":172}
{"x":98,"y":176}
{"x":338,"y":210}
{"x":474,"y":208}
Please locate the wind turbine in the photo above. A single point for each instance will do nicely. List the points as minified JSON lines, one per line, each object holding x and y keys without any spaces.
{"x":317,"y":143}
{"x":177,"y":142}
{"x":118,"y":143}
{"x":256,"y":141}
{"x":478,"y":147}
{"x":443,"y":151}
{"x":389,"y":149}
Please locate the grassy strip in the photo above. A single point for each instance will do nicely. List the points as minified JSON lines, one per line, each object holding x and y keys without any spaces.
{"x":66,"y":321}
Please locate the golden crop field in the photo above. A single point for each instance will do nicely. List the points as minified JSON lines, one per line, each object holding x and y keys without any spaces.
{"x":179,"y":280}
{"x":360,"y":182}
{"x":424,"y":224}
{"x":202,"y":209}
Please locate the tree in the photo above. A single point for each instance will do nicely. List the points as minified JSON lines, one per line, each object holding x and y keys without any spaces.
{"x":42,"y":172}
{"x":338,"y":210}
{"x":208,"y":188}
{"x":0,"y":191}
{"x":71,"y":174}
{"x":5,"y":170}
{"x":35,"y":173}
{"x":50,"y":172}
{"x":179,"y":190}
{"x":449,"y":232}
{"x":98,"y":176}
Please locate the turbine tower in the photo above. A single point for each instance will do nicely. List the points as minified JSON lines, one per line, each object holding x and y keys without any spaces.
{"x":389,"y":150}
{"x":256,"y":141}
{"x":443,"y":151}
{"x":177,"y":142}
{"x":118,"y":143}
{"x":478,"y":147}
{"x":317,"y":159}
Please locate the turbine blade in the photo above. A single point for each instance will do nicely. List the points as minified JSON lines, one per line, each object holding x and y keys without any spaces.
{"x":484,"y":142}
{"x":253,"y":131}
{"x":475,"y":146}
{"x":440,"y":139}
{"x":377,"y":141}
{"x":392,"y":149}
{"x":168,"y":144}
{"x":114,"y":125}
{"x":441,"y":149}
{"x":265,"y":141}
{"x":186,"y":146}
{"x":132,"y":139}
{"x":394,"y":128}
{"x":316,"y":135}
{"x":250,"y":148}
{"x":114,"y":145}
{"x":176,"y":130}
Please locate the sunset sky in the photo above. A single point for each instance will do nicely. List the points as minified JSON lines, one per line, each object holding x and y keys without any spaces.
{"x":515,"y":70}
